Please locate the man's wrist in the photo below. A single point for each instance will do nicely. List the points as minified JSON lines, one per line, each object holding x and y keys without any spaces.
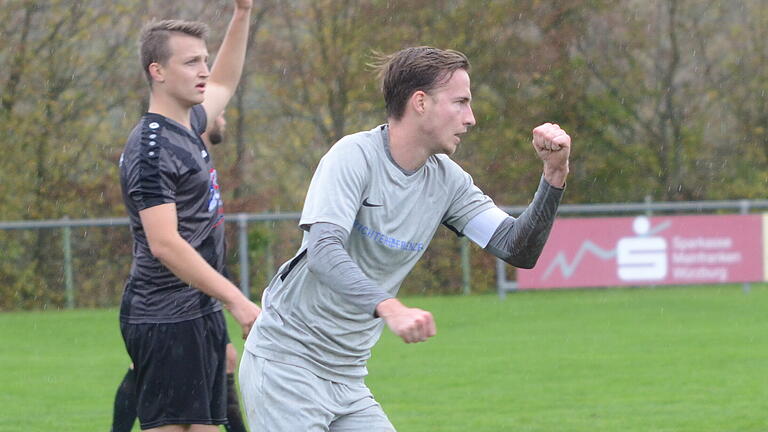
{"x":232,"y":296}
{"x":556,"y":176}
{"x":388,"y":307}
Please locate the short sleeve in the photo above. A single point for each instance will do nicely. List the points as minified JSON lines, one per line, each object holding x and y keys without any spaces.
{"x":336,"y":190}
{"x":151,"y":175}
{"x":468,"y":200}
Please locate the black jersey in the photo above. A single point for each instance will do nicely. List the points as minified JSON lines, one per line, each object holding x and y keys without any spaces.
{"x":164,"y":162}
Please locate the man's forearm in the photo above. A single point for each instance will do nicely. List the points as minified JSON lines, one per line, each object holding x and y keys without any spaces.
{"x":520,"y":241}
{"x":556,"y":176}
{"x":187,"y":264}
{"x":332,"y":265}
{"x":231,"y":56}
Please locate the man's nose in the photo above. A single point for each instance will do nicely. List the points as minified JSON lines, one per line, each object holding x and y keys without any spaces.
{"x":470,"y":117}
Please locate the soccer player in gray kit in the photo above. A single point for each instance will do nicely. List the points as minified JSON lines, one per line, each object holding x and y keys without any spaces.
{"x":374,"y":203}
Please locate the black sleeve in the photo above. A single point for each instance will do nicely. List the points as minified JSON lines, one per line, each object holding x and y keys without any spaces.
{"x":151,"y":174}
{"x":520,"y":241}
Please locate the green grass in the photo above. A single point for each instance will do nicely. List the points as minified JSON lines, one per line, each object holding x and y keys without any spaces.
{"x":665,"y":359}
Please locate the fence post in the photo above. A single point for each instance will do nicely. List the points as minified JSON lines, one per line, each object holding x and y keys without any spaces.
{"x":69,"y":285}
{"x":466,"y":276}
{"x":501,"y":279}
{"x":744,"y":208}
{"x":245,"y":283}
{"x":269,"y":259}
{"x":648,"y":204}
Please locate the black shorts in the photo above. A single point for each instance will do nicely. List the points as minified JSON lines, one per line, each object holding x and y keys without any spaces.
{"x":180,"y":371}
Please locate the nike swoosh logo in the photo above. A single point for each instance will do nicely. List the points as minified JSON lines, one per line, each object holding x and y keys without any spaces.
{"x":367,"y":204}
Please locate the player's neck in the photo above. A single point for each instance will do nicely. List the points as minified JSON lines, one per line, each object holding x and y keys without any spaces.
{"x":166,"y":106}
{"x":405,"y":146}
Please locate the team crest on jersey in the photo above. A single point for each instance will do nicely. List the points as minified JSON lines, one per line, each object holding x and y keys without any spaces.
{"x":214,"y":193}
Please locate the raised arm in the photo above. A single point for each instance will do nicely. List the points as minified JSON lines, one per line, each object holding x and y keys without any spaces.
{"x":228,"y":67}
{"x":553,"y":146}
{"x":520,"y":241}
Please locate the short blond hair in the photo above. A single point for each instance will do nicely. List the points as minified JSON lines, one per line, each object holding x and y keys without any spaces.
{"x":153,"y":43}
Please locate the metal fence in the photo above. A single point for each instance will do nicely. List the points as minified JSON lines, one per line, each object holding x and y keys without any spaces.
{"x":243,"y":222}
{"x":66,"y":225}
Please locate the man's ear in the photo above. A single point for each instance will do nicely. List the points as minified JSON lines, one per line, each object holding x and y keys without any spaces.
{"x":156,"y":72}
{"x":418,"y":101}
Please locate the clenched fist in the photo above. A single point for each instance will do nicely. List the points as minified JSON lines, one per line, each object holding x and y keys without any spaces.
{"x":553,"y":146}
{"x":411,"y":324}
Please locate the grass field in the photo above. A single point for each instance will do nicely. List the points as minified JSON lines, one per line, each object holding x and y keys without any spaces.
{"x":665,"y":359}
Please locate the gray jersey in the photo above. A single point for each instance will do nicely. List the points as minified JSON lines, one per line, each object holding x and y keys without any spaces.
{"x":391,"y":218}
{"x":164,"y":162}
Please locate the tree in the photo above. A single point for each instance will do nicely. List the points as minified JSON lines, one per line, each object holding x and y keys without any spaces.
{"x":648,"y":100}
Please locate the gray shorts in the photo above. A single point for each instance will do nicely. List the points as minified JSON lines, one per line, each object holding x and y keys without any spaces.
{"x":283,"y":398}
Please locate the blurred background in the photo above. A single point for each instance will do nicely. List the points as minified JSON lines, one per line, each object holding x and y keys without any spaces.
{"x":664,"y":99}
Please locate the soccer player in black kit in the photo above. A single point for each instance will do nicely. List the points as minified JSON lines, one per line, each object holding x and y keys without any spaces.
{"x":124,"y":409}
{"x":171,"y":313}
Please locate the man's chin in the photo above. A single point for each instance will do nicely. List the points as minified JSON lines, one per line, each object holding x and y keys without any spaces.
{"x":196,"y":99}
{"x":190,"y":102}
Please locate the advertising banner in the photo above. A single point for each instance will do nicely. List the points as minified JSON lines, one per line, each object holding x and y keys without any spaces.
{"x":671,"y":250}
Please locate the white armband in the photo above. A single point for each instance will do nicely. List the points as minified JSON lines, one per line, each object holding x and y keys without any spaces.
{"x":480,"y":228}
